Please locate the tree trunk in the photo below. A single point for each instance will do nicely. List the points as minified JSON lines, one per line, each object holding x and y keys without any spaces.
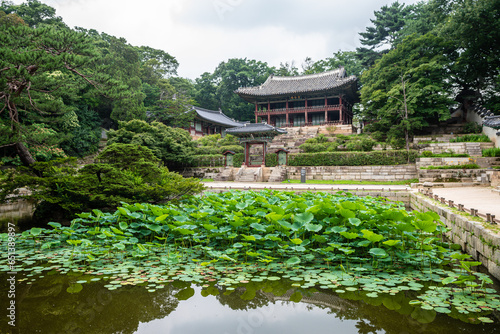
{"x":25,"y":155}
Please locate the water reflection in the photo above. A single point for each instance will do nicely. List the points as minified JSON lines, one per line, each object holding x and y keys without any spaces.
{"x":46,"y":306}
{"x":19,"y":213}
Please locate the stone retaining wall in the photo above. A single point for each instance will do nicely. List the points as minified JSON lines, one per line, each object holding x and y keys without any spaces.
{"x":361,"y":173}
{"x":475,"y":237}
{"x":455,"y":175}
{"x":459,"y":148}
{"x":483,"y":162}
{"x":201,"y":172}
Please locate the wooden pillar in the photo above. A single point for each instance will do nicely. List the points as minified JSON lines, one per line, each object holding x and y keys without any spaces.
{"x":326,"y":109}
{"x":287,"y":121}
{"x":247,"y":151}
{"x":268,"y":117}
{"x":256,"y":110}
{"x":264,"y":148}
{"x":305,"y":116}
{"x":341,"y":113}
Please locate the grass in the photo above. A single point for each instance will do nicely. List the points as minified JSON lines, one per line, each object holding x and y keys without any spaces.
{"x":471,"y":138}
{"x":429,"y":154}
{"x":403,"y":182}
{"x":465,"y":166}
{"x":207,"y":180}
{"x":491,"y":152}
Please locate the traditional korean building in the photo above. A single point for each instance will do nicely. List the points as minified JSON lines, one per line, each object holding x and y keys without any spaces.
{"x":209,"y":122}
{"x":254,"y":135}
{"x":316,"y":99}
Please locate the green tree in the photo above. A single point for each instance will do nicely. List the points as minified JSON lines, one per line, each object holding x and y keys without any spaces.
{"x":287,"y":69}
{"x":474,"y":25}
{"x":206,"y":92}
{"x":33,"y":12}
{"x":125,"y":173}
{"x":380,"y":37}
{"x":173,"y":146}
{"x":421,"y":65}
{"x":346,"y":59}
{"x":38,"y":71}
{"x":227,"y":77}
{"x":173,"y":106}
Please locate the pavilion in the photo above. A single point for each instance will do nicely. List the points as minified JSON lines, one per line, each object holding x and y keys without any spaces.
{"x":209,"y":122}
{"x":315,"y":99}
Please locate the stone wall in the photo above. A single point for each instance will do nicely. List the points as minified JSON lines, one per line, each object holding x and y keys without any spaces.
{"x":476,"y":238}
{"x":459,"y":148}
{"x":483,"y":162}
{"x":201,"y":172}
{"x":361,"y":173}
{"x":454,"y":175}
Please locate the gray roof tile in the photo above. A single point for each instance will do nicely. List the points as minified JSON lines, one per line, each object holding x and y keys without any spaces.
{"x":275,"y":85}
{"x":216,"y":117}
{"x":255,"y":128}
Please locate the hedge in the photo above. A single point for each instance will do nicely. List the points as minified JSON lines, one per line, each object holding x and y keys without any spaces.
{"x":393,"y":157}
{"x":271,"y":160}
{"x":208,"y":160}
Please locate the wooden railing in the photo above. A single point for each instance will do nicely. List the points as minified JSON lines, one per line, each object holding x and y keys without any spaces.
{"x":302,"y":109}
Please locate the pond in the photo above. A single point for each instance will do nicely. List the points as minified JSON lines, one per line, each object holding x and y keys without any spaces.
{"x":182,"y":307}
{"x":245,"y":262}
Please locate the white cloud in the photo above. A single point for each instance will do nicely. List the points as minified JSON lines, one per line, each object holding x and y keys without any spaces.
{"x":203,"y":33}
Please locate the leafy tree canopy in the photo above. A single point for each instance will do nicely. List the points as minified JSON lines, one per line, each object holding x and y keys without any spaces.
{"x":420,"y":64}
{"x":173,"y":146}
{"x":125,"y":173}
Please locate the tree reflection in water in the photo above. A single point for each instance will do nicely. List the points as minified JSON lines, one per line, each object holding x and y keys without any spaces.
{"x":46,"y":307}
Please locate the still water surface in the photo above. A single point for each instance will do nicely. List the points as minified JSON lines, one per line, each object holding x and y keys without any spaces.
{"x":183,"y":308}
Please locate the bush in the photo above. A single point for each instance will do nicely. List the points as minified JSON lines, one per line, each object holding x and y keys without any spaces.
{"x":491,"y":152}
{"x":173,"y":146}
{"x":429,"y":154}
{"x":208,"y":160}
{"x":318,"y":147}
{"x":351,"y":158}
{"x":472,"y":127}
{"x":341,"y":142}
{"x":471,"y":138}
{"x":124,"y":173}
{"x":206,"y":150}
{"x":271,"y":160}
{"x":234,"y":148}
{"x":464,"y":166}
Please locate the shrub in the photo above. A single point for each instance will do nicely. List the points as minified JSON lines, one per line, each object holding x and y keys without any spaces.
{"x":271,"y":160}
{"x":379,"y":136}
{"x":471,"y":138}
{"x":464,"y":166}
{"x":351,"y":158}
{"x":429,"y":154}
{"x":234,"y":148}
{"x":208,"y":160}
{"x":472,"y":127}
{"x":206,"y":150}
{"x":491,"y":152}
{"x":124,"y":173}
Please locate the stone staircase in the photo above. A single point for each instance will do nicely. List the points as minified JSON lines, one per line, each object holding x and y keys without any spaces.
{"x":248,"y":174}
{"x":293,"y":139}
{"x":225,"y":175}
{"x":473,"y":149}
{"x":278,"y":174}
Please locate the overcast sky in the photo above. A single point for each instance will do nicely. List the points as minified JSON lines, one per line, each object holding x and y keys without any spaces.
{"x":202,"y":33}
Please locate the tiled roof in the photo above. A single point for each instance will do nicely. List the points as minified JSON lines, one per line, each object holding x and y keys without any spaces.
{"x":255,"y":128}
{"x":492,"y":122}
{"x":216,"y":117}
{"x":300,"y":84}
